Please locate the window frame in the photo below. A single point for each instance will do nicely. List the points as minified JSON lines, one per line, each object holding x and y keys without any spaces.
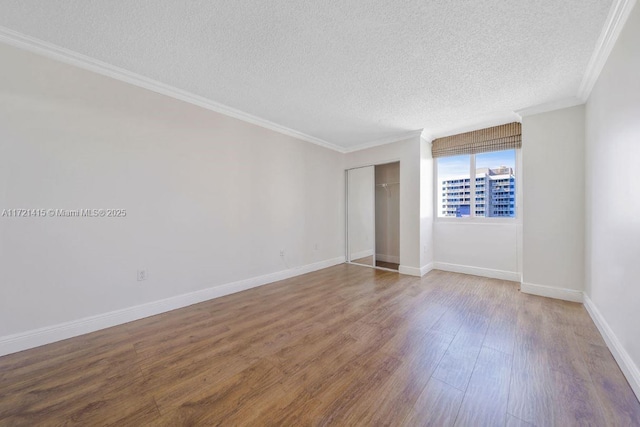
{"x":472,"y":219}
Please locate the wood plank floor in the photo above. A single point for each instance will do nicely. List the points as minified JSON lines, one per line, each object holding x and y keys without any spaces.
{"x":347,"y":345}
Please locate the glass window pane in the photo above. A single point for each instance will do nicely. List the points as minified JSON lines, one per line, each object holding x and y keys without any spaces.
{"x":454,"y":187}
{"x":496,"y":184}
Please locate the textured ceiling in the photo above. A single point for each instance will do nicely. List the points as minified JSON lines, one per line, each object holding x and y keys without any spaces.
{"x":345,"y":72}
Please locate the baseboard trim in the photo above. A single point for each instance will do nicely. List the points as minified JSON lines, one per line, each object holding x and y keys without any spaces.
{"x":410,"y":271}
{"x":426,"y":268}
{"x":49,"y":334}
{"x":477,"y":271}
{"x":628,"y":368}
{"x":552,"y":292}
{"x":414,"y":271}
{"x":388,"y":258}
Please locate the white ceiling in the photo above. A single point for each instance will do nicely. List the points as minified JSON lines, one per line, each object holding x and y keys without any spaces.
{"x":347,"y":73}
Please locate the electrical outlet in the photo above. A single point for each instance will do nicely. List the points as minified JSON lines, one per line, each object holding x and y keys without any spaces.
{"x":282,"y":252}
{"x":142,"y":275}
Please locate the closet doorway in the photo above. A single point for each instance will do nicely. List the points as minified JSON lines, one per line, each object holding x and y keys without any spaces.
{"x":373,"y":216}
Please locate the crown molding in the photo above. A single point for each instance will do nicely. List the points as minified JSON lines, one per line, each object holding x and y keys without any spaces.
{"x":70,"y":57}
{"x":616,"y":19}
{"x":383,"y":141}
{"x":558,"y":104}
{"x":426,"y":135}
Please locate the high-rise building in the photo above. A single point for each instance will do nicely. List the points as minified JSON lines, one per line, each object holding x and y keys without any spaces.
{"x":495,"y":194}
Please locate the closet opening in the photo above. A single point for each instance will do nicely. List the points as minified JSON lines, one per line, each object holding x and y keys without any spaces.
{"x":373,"y":216}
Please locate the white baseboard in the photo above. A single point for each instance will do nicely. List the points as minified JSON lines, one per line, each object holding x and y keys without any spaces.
{"x":37,"y":337}
{"x":361,"y":254}
{"x":414,"y":271}
{"x":478,"y":271}
{"x":426,"y":268}
{"x":629,"y":369}
{"x":388,"y":258}
{"x":410,"y":271}
{"x":552,"y":292}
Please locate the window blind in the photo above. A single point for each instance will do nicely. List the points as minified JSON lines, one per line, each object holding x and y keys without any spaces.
{"x":503,"y":137}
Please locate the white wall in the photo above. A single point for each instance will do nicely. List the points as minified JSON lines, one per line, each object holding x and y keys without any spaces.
{"x":388,"y":212}
{"x":209,"y":199}
{"x":553,"y":203}
{"x":426,"y":207}
{"x":613,"y":200}
{"x":408,"y":153}
{"x":484,"y":249}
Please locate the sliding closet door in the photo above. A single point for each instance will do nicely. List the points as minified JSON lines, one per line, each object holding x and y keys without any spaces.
{"x":361,"y":215}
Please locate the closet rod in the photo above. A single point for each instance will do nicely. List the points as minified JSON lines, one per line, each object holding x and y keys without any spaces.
{"x":387,"y":183}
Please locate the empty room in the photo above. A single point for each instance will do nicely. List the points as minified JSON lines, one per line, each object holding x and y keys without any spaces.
{"x":400,"y":213}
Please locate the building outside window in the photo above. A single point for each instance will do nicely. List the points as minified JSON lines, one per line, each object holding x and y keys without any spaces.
{"x":493,"y":193}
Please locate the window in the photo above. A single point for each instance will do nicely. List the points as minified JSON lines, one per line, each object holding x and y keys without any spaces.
{"x":454,"y":191}
{"x":476,"y":172}
{"x":491,"y":192}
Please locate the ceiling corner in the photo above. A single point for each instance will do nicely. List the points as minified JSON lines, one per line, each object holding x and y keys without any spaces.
{"x":549,"y":106}
{"x":618,"y":14}
{"x":383,"y":141}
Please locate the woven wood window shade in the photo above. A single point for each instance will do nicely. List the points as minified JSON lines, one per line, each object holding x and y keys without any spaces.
{"x":503,"y":137}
